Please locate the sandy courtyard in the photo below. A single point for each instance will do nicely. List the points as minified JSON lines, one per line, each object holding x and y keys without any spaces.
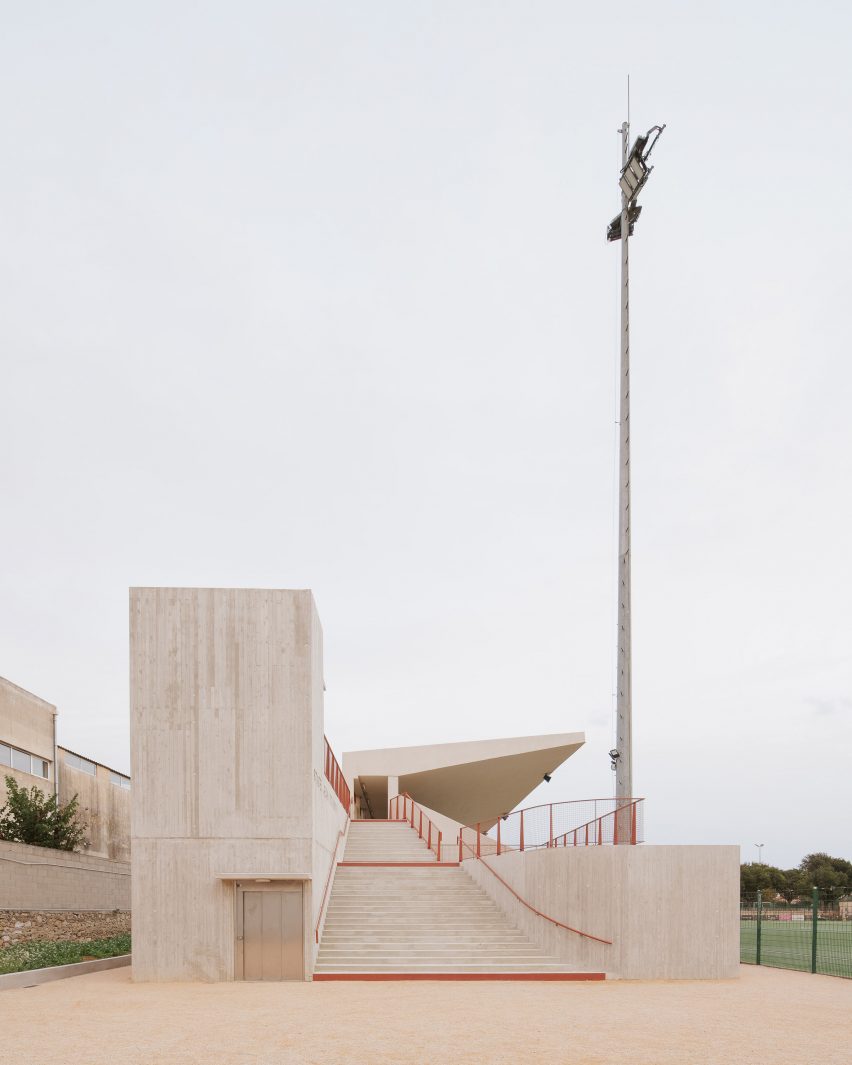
{"x":768,"y":1016}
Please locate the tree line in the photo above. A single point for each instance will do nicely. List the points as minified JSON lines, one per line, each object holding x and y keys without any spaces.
{"x":833,"y":877}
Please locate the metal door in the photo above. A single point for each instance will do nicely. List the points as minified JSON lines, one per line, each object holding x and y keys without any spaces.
{"x":269,"y":920}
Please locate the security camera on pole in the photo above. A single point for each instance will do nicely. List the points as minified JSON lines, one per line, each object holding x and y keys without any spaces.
{"x":634,"y":174}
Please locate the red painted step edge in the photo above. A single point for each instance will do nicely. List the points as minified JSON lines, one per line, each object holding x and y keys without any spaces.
{"x":459,"y":976}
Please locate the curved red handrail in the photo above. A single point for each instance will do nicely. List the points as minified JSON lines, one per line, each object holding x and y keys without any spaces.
{"x":529,"y":906}
{"x":340,"y":835}
{"x":573,"y":802}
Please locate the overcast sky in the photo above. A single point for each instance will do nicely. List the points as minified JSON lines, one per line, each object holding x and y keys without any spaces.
{"x":318,"y":295}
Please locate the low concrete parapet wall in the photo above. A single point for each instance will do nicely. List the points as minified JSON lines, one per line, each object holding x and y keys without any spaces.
{"x":41,"y":878}
{"x":34,"y":977}
{"x":670,"y":912}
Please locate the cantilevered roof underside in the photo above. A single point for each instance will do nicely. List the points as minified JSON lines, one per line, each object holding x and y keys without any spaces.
{"x":470,"y":782}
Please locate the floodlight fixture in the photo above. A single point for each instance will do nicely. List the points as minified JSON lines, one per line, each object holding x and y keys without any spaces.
{"x":613,"y":230}
{"x":636,"y":171}
{"x":547,"y":778}
{"x":634,"y":176}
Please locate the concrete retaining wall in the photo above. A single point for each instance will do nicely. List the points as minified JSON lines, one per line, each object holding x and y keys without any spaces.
{"x":39,"y":878}
{"x":671,"y":912}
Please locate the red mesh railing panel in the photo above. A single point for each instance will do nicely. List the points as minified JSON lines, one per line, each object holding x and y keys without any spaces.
{"x":334,"y":775}
{"x":582,"y":823}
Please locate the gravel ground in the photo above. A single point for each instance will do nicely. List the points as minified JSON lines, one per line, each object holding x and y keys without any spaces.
{"x":767,"y":1017}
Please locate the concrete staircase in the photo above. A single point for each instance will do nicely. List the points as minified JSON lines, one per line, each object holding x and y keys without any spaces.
{"x":385,"y":841}
{"x":408,"y":921}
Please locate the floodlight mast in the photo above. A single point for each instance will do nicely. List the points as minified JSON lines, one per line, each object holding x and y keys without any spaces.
{"x":634,"y":174}
{"x":624,"y":680}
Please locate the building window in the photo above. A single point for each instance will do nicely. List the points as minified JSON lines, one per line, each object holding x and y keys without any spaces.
{"x":24,"y":761}
{"x":76,"y":762}
{"x":119,"y":780}
{"x":21,"y":760}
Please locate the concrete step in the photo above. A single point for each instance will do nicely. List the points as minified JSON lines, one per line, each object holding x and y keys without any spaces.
{"x":391,"y":887}
{"x":398,"y":855}
{"x":448,"y":924}
{"x":390,"y":845}
{"x":392,"y":881}
{"x":452,"y":955}
{"x":490,"y":967}
{"x":384,"y":903}
{"x":390,"y":884}
{"x":438,"y":907}
{"x":413,"y":912}
{"x":425,"y":907}
{"x":418,"y":924}
{"x":353,"y":879}
{"x":466,"y":943}
{"x":385,"y":843}
{"x":402,"y":878}
{"x":405,"y":839}
{"x":413,"y":915}
{"x":420,"y":872}
{"x":431,"y":934}
{"x":405,"y":919}
{"x":448,"y":920}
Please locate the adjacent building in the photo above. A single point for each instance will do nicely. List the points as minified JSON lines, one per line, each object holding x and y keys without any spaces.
{"x":29,"y":753}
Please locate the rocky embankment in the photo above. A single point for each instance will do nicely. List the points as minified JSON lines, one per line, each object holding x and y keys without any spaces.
{"x":24,"y":926}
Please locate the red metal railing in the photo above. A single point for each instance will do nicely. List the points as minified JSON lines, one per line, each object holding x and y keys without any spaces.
{"x":340,"y":836}
{"x":334,"y":775}
{"x":404,"y":808}
{"x":583,"y":823}
{"x":622,"y":825}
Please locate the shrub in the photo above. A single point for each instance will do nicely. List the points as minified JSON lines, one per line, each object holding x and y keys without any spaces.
{"x":30,"y":816}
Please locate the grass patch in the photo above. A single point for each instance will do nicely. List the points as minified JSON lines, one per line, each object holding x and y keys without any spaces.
{"x":40,"y":954}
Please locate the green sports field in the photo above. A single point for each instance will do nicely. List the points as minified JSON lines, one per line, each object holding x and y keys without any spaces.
{"x":787,"y":945}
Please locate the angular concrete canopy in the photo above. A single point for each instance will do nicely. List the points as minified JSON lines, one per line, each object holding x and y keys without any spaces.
{"x":469,"y":782}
